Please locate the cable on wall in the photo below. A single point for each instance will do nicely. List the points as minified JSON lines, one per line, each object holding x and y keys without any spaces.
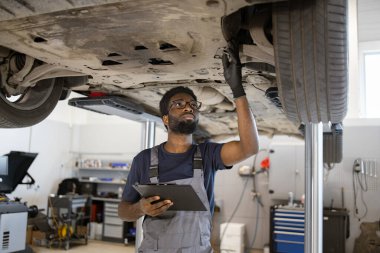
{"x":359,"y":181}
{"x":235,"y":209}
{"x":264,"y":167}
{"x":256,"y":225}
{"x":327,"y":167}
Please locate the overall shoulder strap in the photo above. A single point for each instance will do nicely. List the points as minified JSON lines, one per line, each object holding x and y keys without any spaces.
{"x":197,"y":159}
{"x":153,"y":168}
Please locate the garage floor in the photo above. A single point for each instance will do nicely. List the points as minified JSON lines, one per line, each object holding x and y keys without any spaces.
{"x":92,"y":247}
{"x":98,"y":247}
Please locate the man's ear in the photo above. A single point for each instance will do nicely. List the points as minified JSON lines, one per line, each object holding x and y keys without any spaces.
{"x":165,"y":119}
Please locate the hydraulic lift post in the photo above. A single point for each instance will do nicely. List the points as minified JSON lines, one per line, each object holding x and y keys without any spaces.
{"x":149,"y":137}
{"x":314,"y":188}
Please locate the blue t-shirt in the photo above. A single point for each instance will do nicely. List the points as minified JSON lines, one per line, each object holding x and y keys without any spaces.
{"x":174,"y":166}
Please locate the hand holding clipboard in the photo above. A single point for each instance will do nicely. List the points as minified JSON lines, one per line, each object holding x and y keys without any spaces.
{"x":183,"y":197}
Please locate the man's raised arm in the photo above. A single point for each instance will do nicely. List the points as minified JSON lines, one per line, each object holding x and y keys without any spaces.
{"x":248,"y":145}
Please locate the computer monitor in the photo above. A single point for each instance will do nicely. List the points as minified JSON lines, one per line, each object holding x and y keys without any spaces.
{"x":13,"y":169}
{"x":3,"y":166}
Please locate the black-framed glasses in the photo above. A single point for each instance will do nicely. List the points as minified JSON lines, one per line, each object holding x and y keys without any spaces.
{"x":180,"y":104}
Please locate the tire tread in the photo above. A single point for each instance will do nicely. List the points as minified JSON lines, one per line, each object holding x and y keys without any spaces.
{"x":311,"y":60}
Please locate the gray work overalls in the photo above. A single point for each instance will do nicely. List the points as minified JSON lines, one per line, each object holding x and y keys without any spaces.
{"x":179,"y":231}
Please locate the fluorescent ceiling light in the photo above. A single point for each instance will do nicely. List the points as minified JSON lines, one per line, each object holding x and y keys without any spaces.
{"x":114,"y":105}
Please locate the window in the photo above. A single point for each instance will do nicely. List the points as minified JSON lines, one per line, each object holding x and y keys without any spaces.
{"x":372,"y":84}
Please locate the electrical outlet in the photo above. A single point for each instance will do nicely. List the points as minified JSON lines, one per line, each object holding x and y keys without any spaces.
{"x":357,"y":165}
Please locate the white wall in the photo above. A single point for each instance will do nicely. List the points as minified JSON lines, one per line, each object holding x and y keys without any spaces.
{"x":59,"y":140}
{"x":108,"y":135}
{"x":360,"y":140}
{"x":368,"y":20}
{"x":230,"y":188}
{"x":51,"y":140}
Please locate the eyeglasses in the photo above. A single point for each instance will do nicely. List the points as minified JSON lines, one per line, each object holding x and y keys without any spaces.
{"x":180,"y":104}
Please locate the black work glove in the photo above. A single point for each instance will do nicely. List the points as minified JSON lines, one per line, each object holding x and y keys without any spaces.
{"x":232,"y":69}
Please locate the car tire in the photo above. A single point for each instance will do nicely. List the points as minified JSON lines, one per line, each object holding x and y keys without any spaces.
{"x":33,"y":106}
{"x":310,"y":44}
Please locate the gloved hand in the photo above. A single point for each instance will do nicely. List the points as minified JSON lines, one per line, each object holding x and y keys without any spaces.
{"x":232,"y":69}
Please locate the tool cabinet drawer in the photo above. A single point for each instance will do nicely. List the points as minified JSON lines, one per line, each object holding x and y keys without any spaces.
{"x":113,"y":220}
{"x":114,"y":231}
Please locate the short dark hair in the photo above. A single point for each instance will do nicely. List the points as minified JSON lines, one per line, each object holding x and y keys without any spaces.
{"x":164,"y":103}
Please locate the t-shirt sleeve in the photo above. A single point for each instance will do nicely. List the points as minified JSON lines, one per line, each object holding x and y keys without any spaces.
{"x":213,"y":150}
{"x":134,"y":176}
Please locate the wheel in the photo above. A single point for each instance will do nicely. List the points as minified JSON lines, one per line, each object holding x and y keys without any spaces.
{"x":30,"y":108}
{"x":310,"y":42}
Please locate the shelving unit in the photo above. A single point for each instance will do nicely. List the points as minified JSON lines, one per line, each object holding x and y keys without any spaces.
{"x":105,"y":199}
{"x":104,"y":181}
{"x":101,"y":182}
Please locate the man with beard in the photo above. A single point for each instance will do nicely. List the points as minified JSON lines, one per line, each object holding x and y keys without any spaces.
{"x":180,"y":161}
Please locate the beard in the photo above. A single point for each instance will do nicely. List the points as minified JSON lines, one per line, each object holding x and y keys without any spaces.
{"x":182,"y":127}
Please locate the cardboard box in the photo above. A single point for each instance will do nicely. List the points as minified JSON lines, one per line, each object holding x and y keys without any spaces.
{"x":29,"y":231}
{"x":233,"y":237}
{"x":38,"y":238}
{"x":233,"y":250}
{"x":81,"y":230}
{"x":233,"y":228}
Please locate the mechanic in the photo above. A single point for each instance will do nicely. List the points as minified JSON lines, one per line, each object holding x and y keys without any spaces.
{"x":174,"y":161}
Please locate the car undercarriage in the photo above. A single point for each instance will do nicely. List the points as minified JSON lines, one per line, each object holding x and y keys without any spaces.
{"x":294,"y":56}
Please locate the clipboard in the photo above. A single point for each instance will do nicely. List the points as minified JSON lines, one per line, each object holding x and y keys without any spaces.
{"x":184,"y":197}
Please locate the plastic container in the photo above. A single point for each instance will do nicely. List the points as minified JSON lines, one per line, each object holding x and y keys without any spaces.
{"x":99,"y":231}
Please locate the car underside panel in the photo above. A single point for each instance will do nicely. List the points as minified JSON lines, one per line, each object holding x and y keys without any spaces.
{"x":140,"y":49}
